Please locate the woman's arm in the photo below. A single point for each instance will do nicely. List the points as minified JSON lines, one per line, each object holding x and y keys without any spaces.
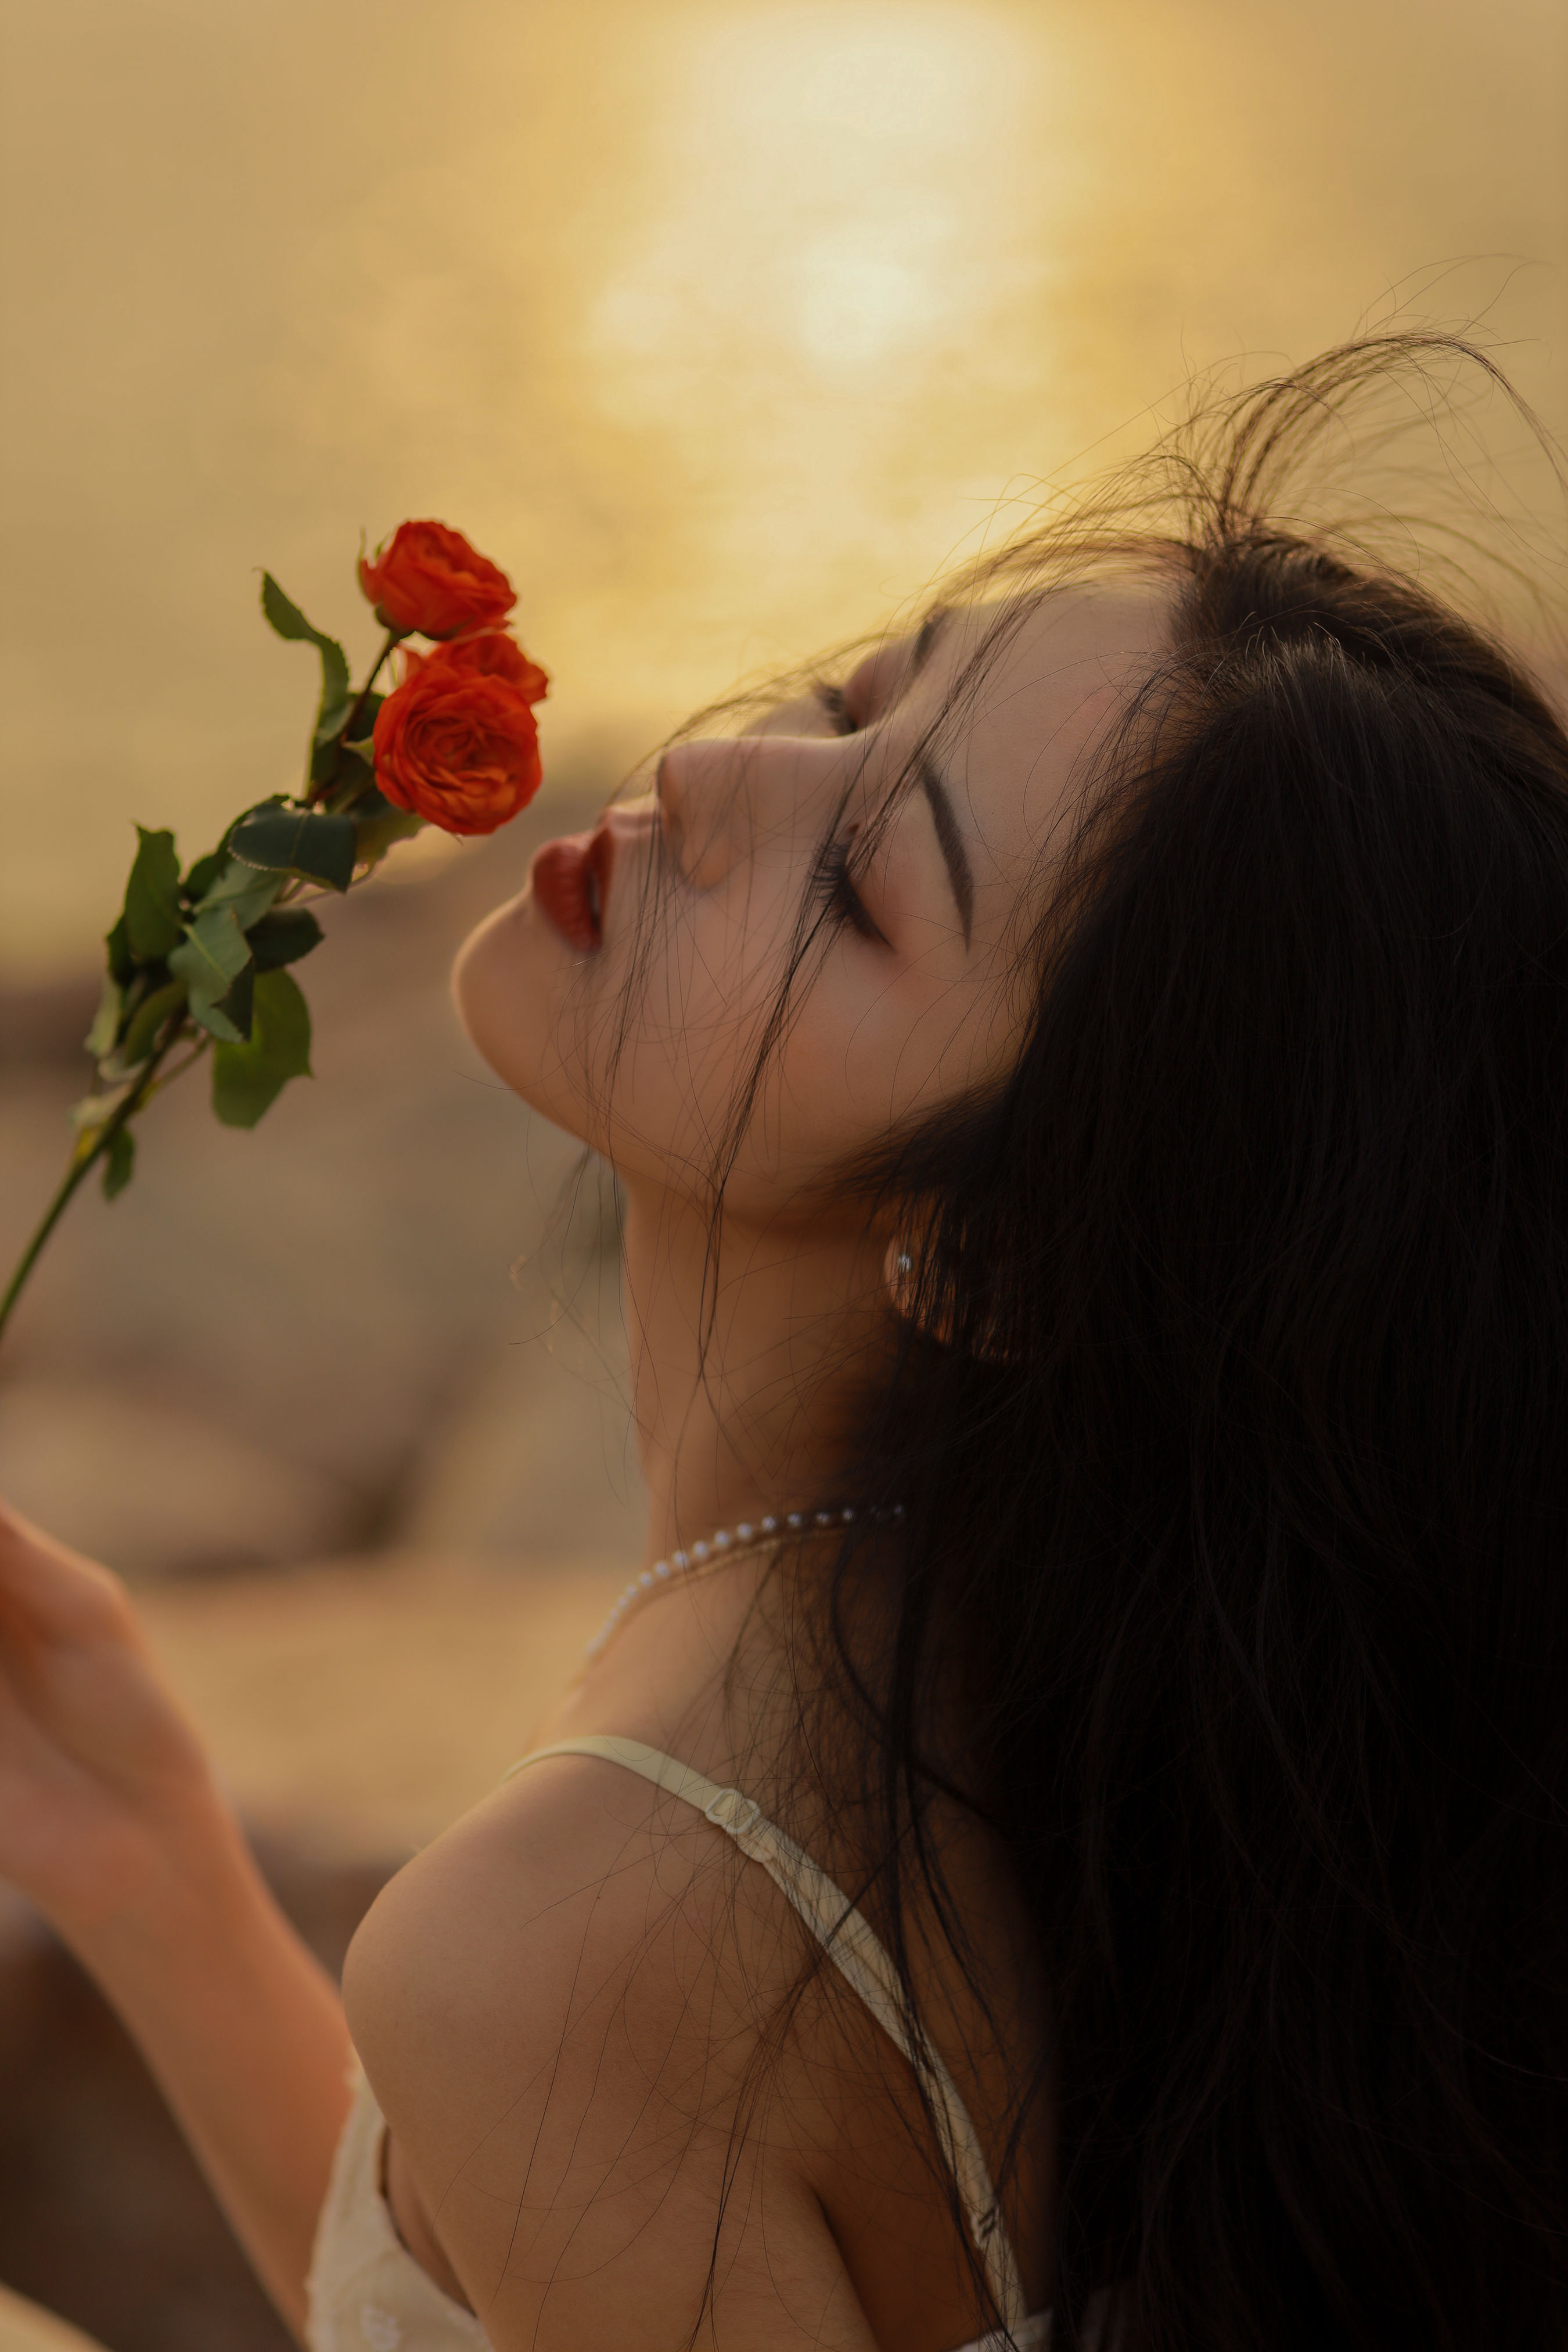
{"x":112,"y":1825}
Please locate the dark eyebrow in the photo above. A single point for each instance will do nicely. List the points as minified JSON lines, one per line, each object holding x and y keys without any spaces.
{"x":955,"y":855}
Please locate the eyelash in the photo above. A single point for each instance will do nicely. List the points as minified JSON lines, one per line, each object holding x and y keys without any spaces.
{"x":843,"y":902}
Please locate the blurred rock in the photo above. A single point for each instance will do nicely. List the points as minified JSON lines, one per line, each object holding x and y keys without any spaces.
{"x":329,"y":1293}
{"x":45,"y":1021}
{"x":353,"y":1710}
{"x":156,"y":1491}
{"x":535,"y":1461}
{"x":536,"y":1465}
{"x":104,"y":2217}
{"x":358,"y":1709}
{"x":26,"y":2327}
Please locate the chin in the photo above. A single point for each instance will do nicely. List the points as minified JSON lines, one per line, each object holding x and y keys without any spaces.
{"x":489,"y":965}
{"x":506,"y":988}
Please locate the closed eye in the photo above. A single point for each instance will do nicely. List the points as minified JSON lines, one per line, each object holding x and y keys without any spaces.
{"x":831,"y":699}
{"x":843,"y":902}
{"x":834,"y":882}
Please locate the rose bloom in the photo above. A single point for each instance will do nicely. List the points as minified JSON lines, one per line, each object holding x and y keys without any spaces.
{"x":484,"y":653}
{"x":428,"y":578}
{"x":459,"y":747}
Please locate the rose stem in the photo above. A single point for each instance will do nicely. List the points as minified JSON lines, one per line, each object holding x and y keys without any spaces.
{"x":81,"y":1161}
{"x":393,"y":638}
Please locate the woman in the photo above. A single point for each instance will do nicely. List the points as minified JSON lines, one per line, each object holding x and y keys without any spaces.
{"x":1070,"y":1817}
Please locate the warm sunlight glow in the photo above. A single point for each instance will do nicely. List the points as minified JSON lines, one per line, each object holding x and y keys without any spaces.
{"x":831,"y":196}
{"x":724,"y":325}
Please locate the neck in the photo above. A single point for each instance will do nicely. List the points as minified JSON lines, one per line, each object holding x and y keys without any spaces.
{"x":746,"y":1346}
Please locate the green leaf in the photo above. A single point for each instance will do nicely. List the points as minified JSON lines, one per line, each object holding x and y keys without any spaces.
{"x":317,"y":847}
{"x":147,"y":1019}
{"x":236,"y":1009}
{"x":373,"y":804}
{"x":377,"y":825}
{"x":330,"y":755}
{"x":118,"y":1163}
{"x":368,"y":717}
{"x":203,"y":875}
{"x":121,"y":963}
{"x":248,"y":1079}
{"x":210,"y":960}
{"x":241,"y":885}
{"x":290,"y":622}
{"x":100,"y":1039}
{"x":325,"y":756}
{"x":283,"y":937}
{"x":152,"y":923}
{"x":213,"y":952}
{"x":330,"y":718}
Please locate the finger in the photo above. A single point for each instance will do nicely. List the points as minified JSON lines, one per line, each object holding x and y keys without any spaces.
{"x":55,"y":1590}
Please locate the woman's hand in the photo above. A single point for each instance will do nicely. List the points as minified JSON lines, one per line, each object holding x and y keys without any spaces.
{"x":111,"y":1823}
{"x":103,"y":1783}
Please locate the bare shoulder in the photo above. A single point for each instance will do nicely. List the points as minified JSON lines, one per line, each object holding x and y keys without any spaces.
{"x":571,"y":1848}
{"x":572,"y":1859}
{"x":559,"y":2005}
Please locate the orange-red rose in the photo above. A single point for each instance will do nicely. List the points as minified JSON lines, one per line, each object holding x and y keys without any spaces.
{"x":428,"y":578}
{"x":486,"y":653}
{"x":458,"y":746}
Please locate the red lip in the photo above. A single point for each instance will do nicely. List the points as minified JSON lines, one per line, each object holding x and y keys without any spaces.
{"x":570,"y":882}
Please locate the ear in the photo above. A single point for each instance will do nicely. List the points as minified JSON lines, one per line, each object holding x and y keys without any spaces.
{"x":903,"y":1271}
{"x":899,"y":1272}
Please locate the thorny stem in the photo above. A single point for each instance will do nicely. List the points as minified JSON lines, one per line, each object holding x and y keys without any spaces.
{"x":85,"y":1158}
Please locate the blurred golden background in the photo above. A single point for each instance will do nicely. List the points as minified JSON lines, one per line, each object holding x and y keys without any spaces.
{"x":720,"y":326}
{"x":724,"y":327}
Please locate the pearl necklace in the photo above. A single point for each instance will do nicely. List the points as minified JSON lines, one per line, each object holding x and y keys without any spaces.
{"x":729,"y":1544}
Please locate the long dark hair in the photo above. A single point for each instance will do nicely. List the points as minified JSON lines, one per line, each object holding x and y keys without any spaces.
{"x":1227,"y":1401}
{"x":1230,"y":1413}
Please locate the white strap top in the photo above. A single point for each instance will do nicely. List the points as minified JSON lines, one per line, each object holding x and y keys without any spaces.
{"x":366,"y":2289}
{"x":861,"y":1958}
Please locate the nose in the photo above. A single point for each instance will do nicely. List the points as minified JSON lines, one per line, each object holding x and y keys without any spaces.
{"x":726,"y":800}
{"x":695,"y":788}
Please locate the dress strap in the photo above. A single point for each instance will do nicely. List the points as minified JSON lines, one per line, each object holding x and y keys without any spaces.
{"x":860,"y":1958}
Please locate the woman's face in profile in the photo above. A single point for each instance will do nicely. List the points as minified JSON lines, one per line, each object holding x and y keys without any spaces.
{"x":627,"y":991}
